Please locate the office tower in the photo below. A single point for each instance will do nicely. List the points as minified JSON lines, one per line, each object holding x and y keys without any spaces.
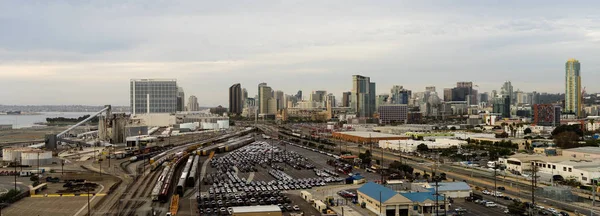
{"x":502,"y":106}
{"x":180,"y":99}
{"x":264,"y":94}
{"x":329,"y":100}
{"x":382,"y":100}
{"x":318,"y":96}
{"x":235,"y":99}
{"x":483,"y":97}
{"x":372,"y":99}
{"x":362,"y":95}
{"x":153,"y":95}
{"x":535,"y":98}
{"x":573,"y":88}
{"x":546,"y":115}
{"x":280,"y":100}
{"x":392,"y":113}
{"x":244,"y":96}
{"x":299,"y":95}
{"x":399,"y":95}
{"x":507,"y":89}
{"x":346,"y":99}
{"x":250,"y":102}
{"x":463,"y":92}
{"x":272,"y":104}
{"x":447,"y":94}
{"x":193,"y":104}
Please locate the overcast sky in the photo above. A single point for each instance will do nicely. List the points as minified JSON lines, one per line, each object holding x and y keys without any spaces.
{"x":85,"y":52}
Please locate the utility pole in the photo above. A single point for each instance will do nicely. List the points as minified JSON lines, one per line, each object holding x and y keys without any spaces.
{"x":437,"y":205}
{"x":15,"y":174}
{"x":594,"y":185}
{"x":495,"y":180}
{"x":381,"y":167}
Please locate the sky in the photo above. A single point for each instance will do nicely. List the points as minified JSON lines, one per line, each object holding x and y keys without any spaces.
{"x":85,"y":52}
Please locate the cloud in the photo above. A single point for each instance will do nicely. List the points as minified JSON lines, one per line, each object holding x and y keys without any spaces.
{"x":94,"y":48}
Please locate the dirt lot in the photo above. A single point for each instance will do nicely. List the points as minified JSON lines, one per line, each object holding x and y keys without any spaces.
{"x":27,"y":134}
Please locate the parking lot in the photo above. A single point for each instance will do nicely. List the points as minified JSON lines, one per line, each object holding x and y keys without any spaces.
{"x":259,"y":174}
{"x":474,"y":209}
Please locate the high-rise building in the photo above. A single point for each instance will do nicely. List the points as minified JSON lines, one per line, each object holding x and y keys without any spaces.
{"x":279,"y":96}
{"x":430,"y":88}
{"x":250,"y":102}
{"x":535,"y":98}
{"x":483,"y":97}
{"x":463,"y":92}
{"x":502,"y":106}
{"x":299,"y":95}
{"x":329,"y":100}
{"x":244,"y":96}
{"x":507,"y":89}
{"x":363,"y":96}
{"x":392,"y":113}
{"x":193,"y":104}
{"x":448,"y":94}
{"x":235,"y":99}
{"x":272,"y":104}
{"x":318,"y":96}
{"x":399,"y":95}
{"x":546,"y":115}
{"x":573,"y":95}
{"x":382,"y":99}
{"x":153,"y":95}
{"x":180,"y":99}
{"x":346,"y":99}
{"x":264,"y":94}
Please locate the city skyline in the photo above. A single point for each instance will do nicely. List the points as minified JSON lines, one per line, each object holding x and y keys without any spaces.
{"x":88,"y":59}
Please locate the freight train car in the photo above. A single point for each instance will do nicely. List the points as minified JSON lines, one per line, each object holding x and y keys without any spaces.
{"x":184,"y":174}
{"x":191,"y":180}
{"x":159,"y":184}
{"x":164,"y":192}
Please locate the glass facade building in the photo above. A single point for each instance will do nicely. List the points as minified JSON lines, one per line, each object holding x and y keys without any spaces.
{"x":153,"y":95}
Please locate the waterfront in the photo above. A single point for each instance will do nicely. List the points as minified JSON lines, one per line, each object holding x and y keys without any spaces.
{"x":24,"y":121}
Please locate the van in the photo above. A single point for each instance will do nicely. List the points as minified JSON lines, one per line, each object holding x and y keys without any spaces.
{"x":490,"y":204}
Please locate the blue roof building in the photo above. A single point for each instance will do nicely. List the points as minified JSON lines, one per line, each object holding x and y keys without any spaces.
{"x":382,"y":200}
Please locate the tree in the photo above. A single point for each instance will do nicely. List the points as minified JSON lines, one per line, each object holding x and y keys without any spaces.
{"x":365,"y":157}
{"x":568,"y":139}
{"x":422,"y":148}
{"x":453,"y":128}
{"x":527,"y":131}
{"x":564,"y":128}
{"x":502,"y":135}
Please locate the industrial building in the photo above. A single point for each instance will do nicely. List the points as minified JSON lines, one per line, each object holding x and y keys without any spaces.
{"x":366,"y":137}
{"x":411,"y":145}
{"x":588,"y":152}
{"x":6,"y":126}
{"x":261,"y":210}
{"x":567,"y":166}
{"x":27,"y":156}
{"x":385,"y":201}
{"x":448,"y":189}
{"x":401,"y":129}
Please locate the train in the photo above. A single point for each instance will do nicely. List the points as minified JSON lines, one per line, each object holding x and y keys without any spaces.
{"x":164,"y":192}
{"x":227,"y":146}
{"x":184,"y":175}
{"x":159,"y":184}
{"x":140,"y":157}
{"x":191,"y":180}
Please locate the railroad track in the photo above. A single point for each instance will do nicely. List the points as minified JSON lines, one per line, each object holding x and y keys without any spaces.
{"x":139,"y":197}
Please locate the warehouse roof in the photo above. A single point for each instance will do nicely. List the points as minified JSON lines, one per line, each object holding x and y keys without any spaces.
{"x":367,"y":134}
{"x":453,"y":186}
{"x":421,"y":196}
{"x":256,"y":209}
{"x":376,"y":191}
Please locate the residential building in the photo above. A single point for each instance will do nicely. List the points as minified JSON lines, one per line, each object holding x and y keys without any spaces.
{"x":180,"y":100}
{"x":346,"y":99}
{"x":193,"y":104}
{"x":153,"y":95}
{"x":363,"y":96}
{"x":546,"y":115}
{"x":573,"y":95}
{"x":264,"y":94}
{"x":235,"y":99}
{"x":393,"y":113}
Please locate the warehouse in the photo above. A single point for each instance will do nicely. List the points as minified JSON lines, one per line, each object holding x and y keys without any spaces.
{"x":373,"y":195}
{"x":449,"y":189}
{"x":27,"y":156}
{"x":366,"y":137}
{"x":411,"y":145}
{"x":264,"y":210}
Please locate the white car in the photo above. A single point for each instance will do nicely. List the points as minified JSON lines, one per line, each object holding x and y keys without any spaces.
{"x":490,"y":204}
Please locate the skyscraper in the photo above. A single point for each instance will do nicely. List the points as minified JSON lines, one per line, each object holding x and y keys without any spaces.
{"x":573,"y":88}
{"x":318,"y":96}
{"x":244,"y":96}
{"x":399,"y":95}
{"x":264,"y":94}
{"x":153,"y":95}
{"x":363,"y":96}
{"x":346,"y":99}
{"x":299,"y":95}
{"x":329,"y":100}
{"x":507,"y":89}
{"x":193,"y":104}
{"x":235,"y":99}
{"x":279,"y":97}
{"x":180,"y":99}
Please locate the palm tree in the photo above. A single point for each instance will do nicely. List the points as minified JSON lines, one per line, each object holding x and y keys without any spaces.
{"x":512,"y":131}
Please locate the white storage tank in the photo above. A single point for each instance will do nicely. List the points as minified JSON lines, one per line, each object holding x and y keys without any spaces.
{"x":31,"y":157}
{"x":11,"y":154}
{"x":223,"y":124}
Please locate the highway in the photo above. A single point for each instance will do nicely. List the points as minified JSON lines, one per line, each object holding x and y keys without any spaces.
{"x":513,"y":188}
